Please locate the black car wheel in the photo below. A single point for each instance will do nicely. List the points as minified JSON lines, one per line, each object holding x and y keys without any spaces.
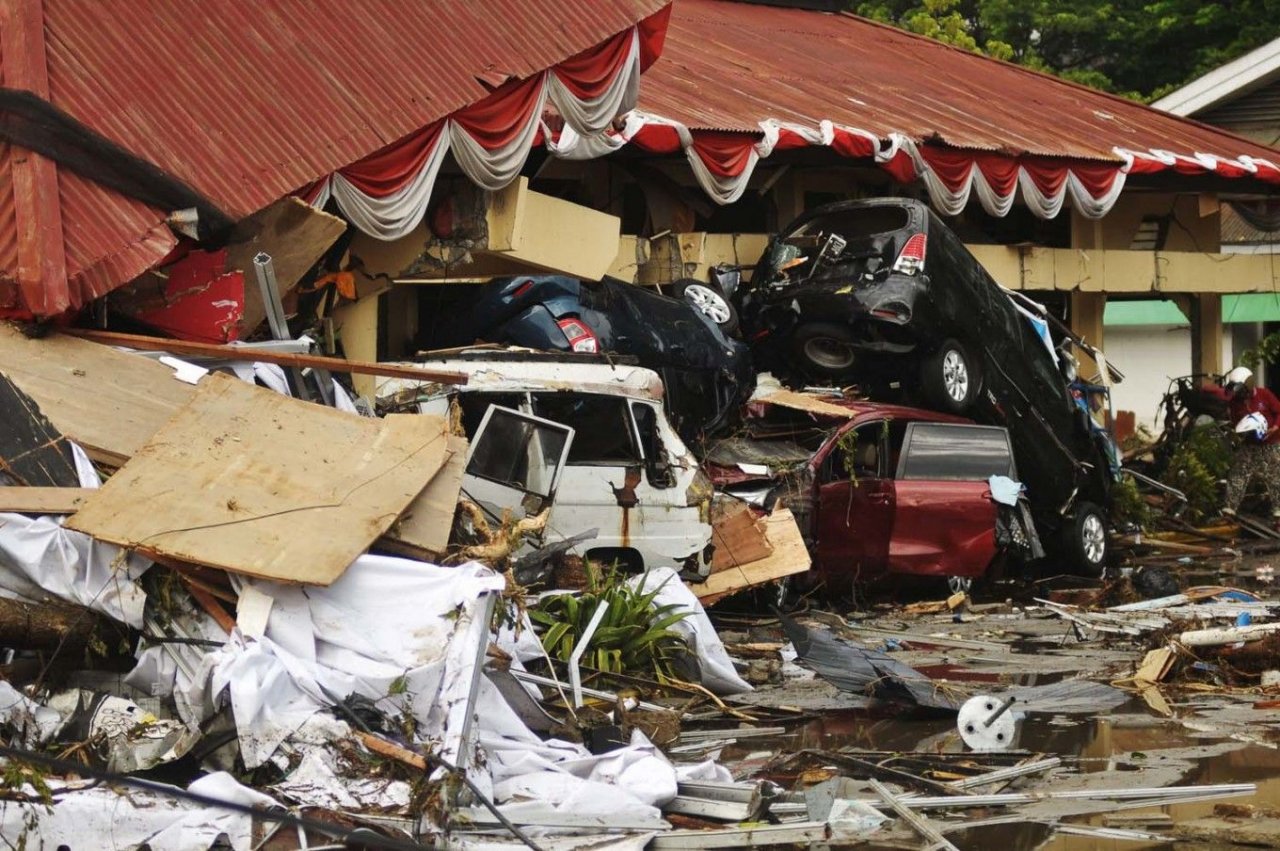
{"x":951,"y":378}
{"x":824,"y":349}
{"x":708,"y":300}
{"x":1086,"y":543}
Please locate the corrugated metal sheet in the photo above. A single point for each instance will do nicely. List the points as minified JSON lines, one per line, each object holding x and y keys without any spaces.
{"x":248,"y":100}
{"x":1257,"y":110}
{"x":729,"y":65}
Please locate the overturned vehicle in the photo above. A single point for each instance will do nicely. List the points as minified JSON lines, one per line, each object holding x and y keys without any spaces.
{"x":881,"y":293}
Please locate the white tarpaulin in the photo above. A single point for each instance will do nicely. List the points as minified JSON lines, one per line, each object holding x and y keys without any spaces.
{"x":718,"y":673}
{"x":118,"y":819}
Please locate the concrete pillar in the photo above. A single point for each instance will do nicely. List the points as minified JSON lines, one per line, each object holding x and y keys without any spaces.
{"x":1206,"y":334}
{"x":1086,"y":310}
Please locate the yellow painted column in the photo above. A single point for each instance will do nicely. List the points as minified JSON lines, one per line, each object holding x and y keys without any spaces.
{"x":1086,"y":321}
{"x":357,"y":327}
{"x":1206,"y":334}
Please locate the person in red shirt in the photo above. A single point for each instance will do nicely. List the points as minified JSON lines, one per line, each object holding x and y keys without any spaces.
{"x":1259,"y":454}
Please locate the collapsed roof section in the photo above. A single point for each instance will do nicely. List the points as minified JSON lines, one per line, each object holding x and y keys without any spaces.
{"x":739,"y":82}
{"x":236,"y":104}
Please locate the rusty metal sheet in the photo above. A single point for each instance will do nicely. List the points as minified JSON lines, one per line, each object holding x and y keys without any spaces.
{"x":728,"y":66}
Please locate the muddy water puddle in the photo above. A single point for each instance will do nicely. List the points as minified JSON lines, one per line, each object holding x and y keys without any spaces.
{"x":1130,"y":749}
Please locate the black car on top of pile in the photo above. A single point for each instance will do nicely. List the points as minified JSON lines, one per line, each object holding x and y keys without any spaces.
{"x":881,"y":293}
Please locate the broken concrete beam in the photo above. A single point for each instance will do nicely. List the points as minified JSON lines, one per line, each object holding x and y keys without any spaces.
{"x":253,"y":482}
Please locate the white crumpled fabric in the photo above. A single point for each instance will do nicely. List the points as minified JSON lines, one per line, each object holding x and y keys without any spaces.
{"x":718,"y":673}
{"x":113,"y":818}
{"x":39,"y":558}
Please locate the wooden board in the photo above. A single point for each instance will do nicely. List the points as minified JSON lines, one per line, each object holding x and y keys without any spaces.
{"x":295,"y":234}
{"x":43,"y":500}
{"x":32,"y":451}
{"x":789,"y":556}
{"x":739,"y":538}
{"x":423,"y":530}
{"x":807,"y":402}
{"x":253,"y":482}
{"x":109,"y":402}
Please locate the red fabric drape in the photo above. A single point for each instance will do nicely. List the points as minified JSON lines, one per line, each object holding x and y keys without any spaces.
{"x":657,"y":139}
{"x":591,"y":72}
{"x":394,"y":166}
{"x":725,"y":154}
{"x":499,"y":118}
{"x":852,"y":145}
{"x":653,"y":35}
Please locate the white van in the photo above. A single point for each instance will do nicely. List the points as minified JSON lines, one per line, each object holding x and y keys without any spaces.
{"x":628,"y":475}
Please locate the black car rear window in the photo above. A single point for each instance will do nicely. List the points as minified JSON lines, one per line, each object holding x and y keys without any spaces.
{"x":859,"y":222}
{"x":944,"y":452}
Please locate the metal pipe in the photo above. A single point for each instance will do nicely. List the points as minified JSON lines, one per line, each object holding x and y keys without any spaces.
{"x":917,"y":822}
{"x":1157,"y":795}
{"x":1011,"y":773}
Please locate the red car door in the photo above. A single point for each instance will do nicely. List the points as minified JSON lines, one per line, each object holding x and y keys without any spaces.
{"x":945,"y":521}
{"x":854,"y":507}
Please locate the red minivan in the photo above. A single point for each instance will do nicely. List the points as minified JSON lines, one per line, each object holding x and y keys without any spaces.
{"x":894,"y":490}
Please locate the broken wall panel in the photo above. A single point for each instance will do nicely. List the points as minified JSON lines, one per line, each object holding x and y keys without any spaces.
{"x":789,"y":556}
{"x":107,"y":401}
{"x":252,"y":482}
{"x":32,"y":451}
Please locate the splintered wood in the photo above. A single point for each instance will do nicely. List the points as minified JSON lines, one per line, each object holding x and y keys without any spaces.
{"x":789,"y":555}
{"x":253,"y":482}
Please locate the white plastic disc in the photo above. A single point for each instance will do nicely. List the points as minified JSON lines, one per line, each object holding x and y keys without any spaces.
{"x":998,"y":735}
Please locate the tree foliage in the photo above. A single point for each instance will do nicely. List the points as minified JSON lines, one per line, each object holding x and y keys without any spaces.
{"x":1142,"y":49}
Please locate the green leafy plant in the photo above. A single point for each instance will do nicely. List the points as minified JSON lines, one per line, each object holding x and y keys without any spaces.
{"x":1267,"y":351}
{"x":634,"y":636}
{"x":1196,"y":467}
{"x":1127,"y":505}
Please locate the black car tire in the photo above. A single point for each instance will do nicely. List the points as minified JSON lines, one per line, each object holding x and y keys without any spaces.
{"x":1086,"y":540}
{"x":824,"y":349}
{"x":951,"y":378}
{"x":710,"y":301}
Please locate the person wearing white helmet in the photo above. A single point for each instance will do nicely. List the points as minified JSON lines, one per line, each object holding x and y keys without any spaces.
{"x":1255,"y":414}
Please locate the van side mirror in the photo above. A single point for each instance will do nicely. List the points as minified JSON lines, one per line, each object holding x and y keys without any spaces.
{"x":656,"y":466}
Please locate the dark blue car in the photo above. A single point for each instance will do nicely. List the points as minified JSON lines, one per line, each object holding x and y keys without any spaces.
{"x":706,"y":373}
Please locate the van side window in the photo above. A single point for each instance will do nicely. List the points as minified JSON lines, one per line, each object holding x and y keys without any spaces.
{"x":474,"y":405}
{"x":602,"y":426}
{"x":857,"y":455}
{"x":943,"y":452}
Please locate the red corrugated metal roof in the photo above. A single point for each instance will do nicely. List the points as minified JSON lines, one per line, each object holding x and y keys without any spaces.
{"x":728,"y":66}
{"x":247,"y":101}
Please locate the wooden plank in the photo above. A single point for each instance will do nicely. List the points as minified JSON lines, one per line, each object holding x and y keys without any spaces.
{"x":295,"y":234}
{"x":739,"y":538}
{"x":808,"y":402}
{"x":789,"y":556}
{"x":43,"y":500}
{"x":109,"y":402}
{"x":423,"y":530}
{"x":253,"y":482}
{"x":240,"y":353}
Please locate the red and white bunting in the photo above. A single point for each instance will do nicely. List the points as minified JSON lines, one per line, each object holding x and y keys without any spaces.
{"x":723,"y":163}
{"x":386,"y":194}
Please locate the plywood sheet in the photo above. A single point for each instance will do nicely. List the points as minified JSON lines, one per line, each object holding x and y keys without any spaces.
{"x":807,"y":402}
{"x":739,"y":538}
{"x":789,"y":556}
{"x":32,"y":452}
{"x":252,"y":482}
{"x":43,"y":500}
{"x":424,"y":528}
{"x":107,"y":401}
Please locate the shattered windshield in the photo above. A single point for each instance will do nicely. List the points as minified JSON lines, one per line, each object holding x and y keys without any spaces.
{"x":859,"y":239}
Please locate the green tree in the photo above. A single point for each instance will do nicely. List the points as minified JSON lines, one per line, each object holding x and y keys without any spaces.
{"x":1139,"y":48}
